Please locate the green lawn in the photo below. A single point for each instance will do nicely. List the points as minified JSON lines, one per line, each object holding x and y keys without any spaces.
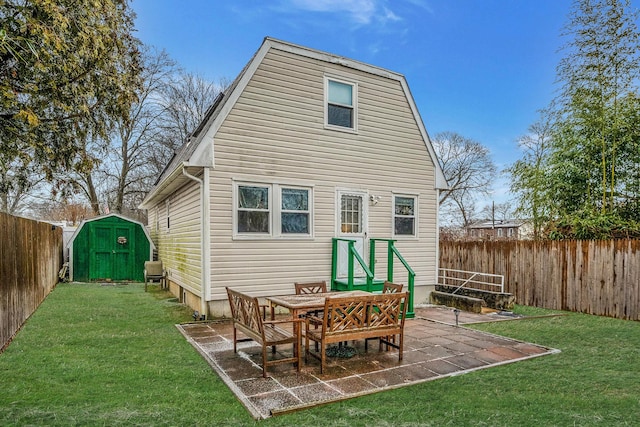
{"x":111,"y":355}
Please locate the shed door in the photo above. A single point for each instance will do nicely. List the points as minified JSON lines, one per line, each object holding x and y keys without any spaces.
{"x":111,"y":252}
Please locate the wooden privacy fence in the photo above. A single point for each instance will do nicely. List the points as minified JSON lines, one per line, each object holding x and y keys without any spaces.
{"x":30,"y":259}
{"x":599,"y":277}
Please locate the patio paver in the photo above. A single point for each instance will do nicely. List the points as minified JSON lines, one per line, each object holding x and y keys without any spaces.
{"x":434,"y":348}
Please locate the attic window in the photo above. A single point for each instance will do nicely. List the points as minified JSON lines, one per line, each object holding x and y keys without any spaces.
{"x":341,"y":104}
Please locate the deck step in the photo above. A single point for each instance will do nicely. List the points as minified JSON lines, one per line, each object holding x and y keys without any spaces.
{"x":359,"y":283}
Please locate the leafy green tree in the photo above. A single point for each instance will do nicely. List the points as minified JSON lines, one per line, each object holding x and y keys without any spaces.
{"x":599,"y":73}
{"x":68,"y":68}
{"x":529,"y":179}
{"x":580,"y":175}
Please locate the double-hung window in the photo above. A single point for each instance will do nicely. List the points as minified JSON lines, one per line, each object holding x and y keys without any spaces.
{"x":272,"y":210}
{"x":341,"y":104}
{"x":404,"y":215}
{"x":294,"y":213}
{"x":254,"y":209}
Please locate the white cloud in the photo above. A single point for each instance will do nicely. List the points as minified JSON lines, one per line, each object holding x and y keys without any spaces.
{"x":362,"y":12}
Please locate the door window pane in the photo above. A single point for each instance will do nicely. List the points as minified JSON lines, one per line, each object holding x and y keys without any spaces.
{"x":351,"y":214}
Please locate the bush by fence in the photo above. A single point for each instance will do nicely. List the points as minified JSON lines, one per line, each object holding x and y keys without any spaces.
{"x":590,"y":276}
{"x":30,"y":259}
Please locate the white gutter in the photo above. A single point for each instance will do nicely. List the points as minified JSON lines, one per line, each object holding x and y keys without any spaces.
{"x":437,"y":260}
{"x":205,"y":250}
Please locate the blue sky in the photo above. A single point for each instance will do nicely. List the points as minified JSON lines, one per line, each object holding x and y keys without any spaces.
{"x":481,"y":68}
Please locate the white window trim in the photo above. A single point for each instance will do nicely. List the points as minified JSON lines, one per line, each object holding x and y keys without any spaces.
{"x":275,"y":211}
{"x":168,"y":209}
{"x":416,"y":210}
{"x":354,"y":95}
{"x":269,"y":209}
{"x":365,"y":211}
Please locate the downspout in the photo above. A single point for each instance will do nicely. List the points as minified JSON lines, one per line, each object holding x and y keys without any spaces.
{"x":205,"y":292}
{"x":437,"y":263}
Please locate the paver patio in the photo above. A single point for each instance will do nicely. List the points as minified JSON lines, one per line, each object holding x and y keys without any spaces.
{"x":434,"y":348}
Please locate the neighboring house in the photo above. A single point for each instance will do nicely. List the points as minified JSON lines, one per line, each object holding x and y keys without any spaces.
{"x":500,"y":230}
{"x":304,"y":146}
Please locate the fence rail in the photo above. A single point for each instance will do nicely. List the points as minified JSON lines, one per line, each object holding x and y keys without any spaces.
{"x":588,"y":276}
{"x":30,"y":258}
{"x":471,"y":280}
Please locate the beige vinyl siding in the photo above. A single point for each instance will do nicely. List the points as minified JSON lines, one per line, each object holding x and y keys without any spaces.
{"x":152,"y":218}
{"x":275,"y":133}
{"x":180,"y":247}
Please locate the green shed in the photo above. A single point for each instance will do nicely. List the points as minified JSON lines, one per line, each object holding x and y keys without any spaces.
{"x":109,"y":247}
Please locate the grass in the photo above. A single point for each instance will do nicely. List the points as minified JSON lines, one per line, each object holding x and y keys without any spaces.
{"x":111,"y":355}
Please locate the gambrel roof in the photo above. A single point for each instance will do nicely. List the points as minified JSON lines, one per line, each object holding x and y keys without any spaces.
{"x":199,"y":150}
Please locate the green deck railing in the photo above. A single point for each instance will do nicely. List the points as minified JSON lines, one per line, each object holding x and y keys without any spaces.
{"x":354,"y":256}
{"x":392,"y":252}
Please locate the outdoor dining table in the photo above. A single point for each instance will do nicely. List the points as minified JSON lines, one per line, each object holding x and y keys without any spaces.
{"x":301,"y":304}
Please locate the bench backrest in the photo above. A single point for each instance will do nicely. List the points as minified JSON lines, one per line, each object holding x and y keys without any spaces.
{"x":344,"y":314}
{"x":245,"y":310}
{"x":388,"y":309}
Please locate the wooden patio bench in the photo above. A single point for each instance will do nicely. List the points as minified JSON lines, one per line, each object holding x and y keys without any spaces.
{"x":354,"y":318}
{"x":245,"y":312}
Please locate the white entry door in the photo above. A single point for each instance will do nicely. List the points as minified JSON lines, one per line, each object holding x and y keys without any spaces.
{"x":352,"y":212}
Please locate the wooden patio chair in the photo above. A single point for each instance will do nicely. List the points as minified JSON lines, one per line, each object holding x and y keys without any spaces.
{"x":319,"y":287}
{"x":153,"y":270}
{"x":310,"y":287}
{"x":391,"y":288}
{"x":245,"y":312}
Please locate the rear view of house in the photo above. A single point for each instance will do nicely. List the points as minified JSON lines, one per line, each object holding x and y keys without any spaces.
{"x":302,"y":154}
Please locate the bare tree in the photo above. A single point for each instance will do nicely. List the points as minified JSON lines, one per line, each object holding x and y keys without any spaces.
{"x":116,"y":172}
{"x":18,"y":182}
{"x":126,"y":166}
{"x":185,"y":102}
{"x":498,"y":211}
{"x":469,"y":170}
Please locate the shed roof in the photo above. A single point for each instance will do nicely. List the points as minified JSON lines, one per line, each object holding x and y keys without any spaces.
{"x":101,"y":217}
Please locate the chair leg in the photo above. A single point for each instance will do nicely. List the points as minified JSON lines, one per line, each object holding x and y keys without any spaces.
{"x":264,"y":361}
{"x":298,"y":344}
{"x":323,"y":356}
